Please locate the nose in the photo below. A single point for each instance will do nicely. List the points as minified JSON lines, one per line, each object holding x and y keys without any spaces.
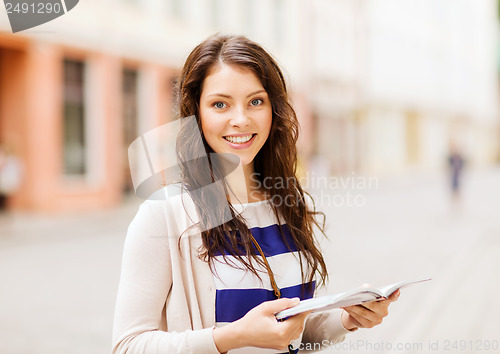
{"x":240,"y":118}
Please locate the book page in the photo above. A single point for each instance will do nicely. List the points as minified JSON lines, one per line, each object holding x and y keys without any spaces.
{"x":389,"y":289}
{"x":348,"y":298}
{"x":323,"y":303}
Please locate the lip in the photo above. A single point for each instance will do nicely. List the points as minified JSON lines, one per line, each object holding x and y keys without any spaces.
{"x":240,"y":146}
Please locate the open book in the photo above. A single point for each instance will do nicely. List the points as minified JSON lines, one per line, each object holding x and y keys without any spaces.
{"x":348,"y":298}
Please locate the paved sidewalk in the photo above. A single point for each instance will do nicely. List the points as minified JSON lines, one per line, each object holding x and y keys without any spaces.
{"x":410,"y":228}
{"x":60,"y":275}
{"x":59,"y":280}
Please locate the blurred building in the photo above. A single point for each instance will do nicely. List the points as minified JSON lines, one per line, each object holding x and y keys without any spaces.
{"x":379,"y":85}
{"x":395,"y":83}
{"x":76,"y":91}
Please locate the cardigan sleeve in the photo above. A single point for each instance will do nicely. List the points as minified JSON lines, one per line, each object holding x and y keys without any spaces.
{"x":145,"y":281}
{"x":323,"y":330}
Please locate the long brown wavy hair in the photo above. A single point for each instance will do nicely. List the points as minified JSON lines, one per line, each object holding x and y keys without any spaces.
{"x":276,"y":161}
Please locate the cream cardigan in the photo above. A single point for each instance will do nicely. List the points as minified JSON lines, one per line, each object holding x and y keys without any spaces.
{"x":166,"y":296}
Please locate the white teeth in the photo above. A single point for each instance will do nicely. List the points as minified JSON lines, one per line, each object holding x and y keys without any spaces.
{"x":238,"y":139}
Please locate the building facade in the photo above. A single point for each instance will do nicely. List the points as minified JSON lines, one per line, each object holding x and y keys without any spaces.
{"x":398,"y":84}
{"x":76,"y":91}
{"x":380,"y":86}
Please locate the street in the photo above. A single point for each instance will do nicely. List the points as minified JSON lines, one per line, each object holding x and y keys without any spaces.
{"x":60,"y":274}
{"x":409,"y":229}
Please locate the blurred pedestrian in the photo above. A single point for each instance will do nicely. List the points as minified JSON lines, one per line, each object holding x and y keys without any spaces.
{"x":456,"y":165}
{"x":10,"y":174}
{"x":218,"y":290}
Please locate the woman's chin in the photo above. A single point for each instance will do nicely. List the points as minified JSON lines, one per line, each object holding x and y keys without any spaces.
{"x":245,"y":161}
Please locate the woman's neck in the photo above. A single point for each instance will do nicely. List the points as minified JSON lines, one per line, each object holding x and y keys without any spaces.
{"x":254,"y":192}
{"x":244,"y":185}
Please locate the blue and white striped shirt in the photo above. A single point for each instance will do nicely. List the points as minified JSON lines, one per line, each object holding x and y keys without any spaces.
{"x":239,"y":290}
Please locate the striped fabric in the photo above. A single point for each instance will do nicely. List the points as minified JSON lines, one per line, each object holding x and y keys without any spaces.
{"x":238,"y":290}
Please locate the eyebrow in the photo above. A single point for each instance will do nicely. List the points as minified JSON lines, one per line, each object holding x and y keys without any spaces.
{"x":228,"y":96}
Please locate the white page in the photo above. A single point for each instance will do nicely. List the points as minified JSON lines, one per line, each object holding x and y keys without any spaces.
{"x":324,"y":303}
{"x":389,"y":289}
{"x":348,"y":298}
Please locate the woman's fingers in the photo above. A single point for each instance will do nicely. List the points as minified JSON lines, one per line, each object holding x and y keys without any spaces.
{"x":366,"y":318}
{"x":379,"y":307}
{"x":271,"y":307}
{"x":363,"y":314}
{"x":296,"y":323}
{"x":280,"y":333}
{"x":372,"y":313}
{"x":262,"y":328}
{"x":394,"y":296}
{"x":382,"y":305}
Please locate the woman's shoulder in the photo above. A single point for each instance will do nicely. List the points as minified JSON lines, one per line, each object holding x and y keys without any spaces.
{"x":170,"y":196}
{"x":170,"y":209}
{"x":149,"y":218}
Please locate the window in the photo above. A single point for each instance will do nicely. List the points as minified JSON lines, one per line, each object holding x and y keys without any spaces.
{"x":217,"y":15}
{"x":130,"y":119}
{"x":74,"y":118}
{"x":129,"y":105}
{"x":279,"y":21}
{"x":248,"y":16}
{"x":174,"y":100}
{"x":175,"y":8}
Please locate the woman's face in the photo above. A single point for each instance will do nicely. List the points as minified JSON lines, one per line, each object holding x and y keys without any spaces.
{"x":235,"y":112}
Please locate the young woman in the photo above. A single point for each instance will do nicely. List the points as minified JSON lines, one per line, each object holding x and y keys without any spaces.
{"x":194,"y":280}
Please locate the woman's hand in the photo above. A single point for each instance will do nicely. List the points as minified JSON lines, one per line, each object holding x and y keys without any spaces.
{"x":259,"y":328}
{"x":367,"y":315}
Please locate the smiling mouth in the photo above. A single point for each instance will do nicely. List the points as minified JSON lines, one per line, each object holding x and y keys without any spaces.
{"x":239,"y":139}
